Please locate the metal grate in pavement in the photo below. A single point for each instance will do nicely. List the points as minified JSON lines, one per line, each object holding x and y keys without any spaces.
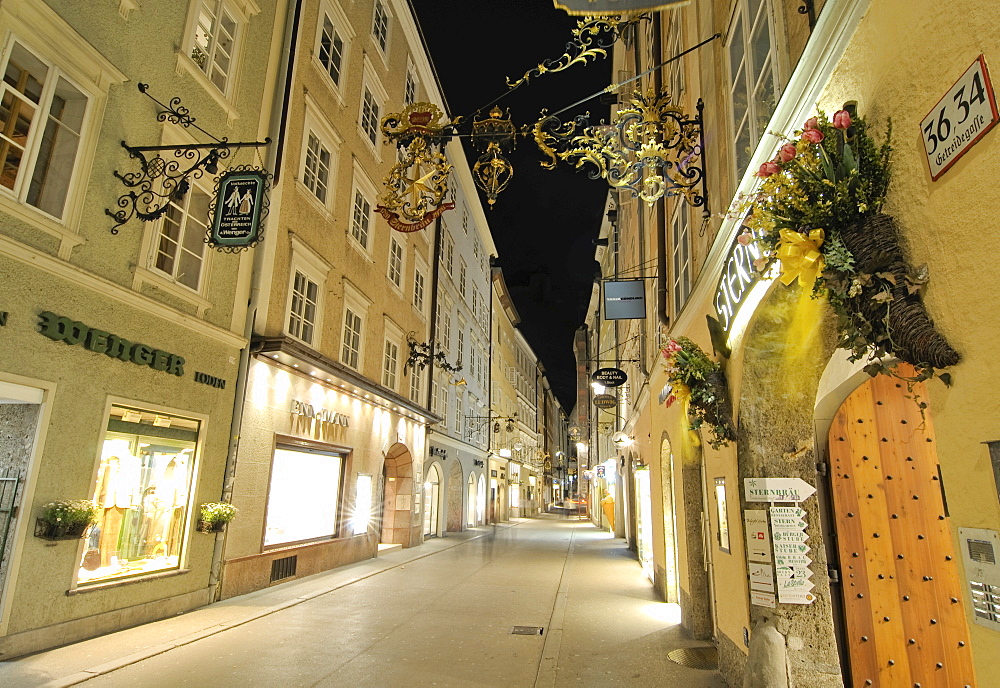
{"x":526,"y":630}
{"x":695,"y":657}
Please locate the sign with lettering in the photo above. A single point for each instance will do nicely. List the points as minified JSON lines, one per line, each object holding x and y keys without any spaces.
{"x":758,"y":545}
{"x":777,"y":489}
{"x":761,"y":577}
{"x":438,"y":451}
{"x":609,"y":377}
{"x":605,"y":401}
{"x":739,"y":275}
{"x":792,"y":570}
{"x":210,"y":380}
{"x":762,"y":599}
{"x":61,"y":329}
{"x":321,"y":415}
{"x":239,"y":207}
{"x":960,"y":119}
{"x":592,"y":8}
{"x":624,"y":300}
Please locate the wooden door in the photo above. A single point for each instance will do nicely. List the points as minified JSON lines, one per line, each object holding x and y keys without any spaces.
{"x":905,"y":622}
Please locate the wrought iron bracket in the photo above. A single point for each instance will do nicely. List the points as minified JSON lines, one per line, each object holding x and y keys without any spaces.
{"x":162,"y":179}
{"x":422,"y":355}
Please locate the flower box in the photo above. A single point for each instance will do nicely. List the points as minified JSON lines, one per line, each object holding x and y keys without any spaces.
{"x":211,"y":526}
{"x":60,"y":531}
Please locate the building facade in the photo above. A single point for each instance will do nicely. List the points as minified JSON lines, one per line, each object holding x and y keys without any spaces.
{"x":120,"y":348}
{"x":888,"y":586}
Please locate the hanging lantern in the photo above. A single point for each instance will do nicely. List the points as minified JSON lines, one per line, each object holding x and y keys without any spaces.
{"x":418,"y":183}
{"x":493,"y":137}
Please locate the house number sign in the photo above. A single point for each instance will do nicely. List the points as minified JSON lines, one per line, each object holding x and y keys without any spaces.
{"x":960,"y":119}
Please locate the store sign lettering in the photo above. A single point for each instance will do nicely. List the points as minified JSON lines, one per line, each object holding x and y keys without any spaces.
{"x":738,"y":276}
{"x":210,"y":380}
{"x":301,"y":408}
{"x":72,"y":332}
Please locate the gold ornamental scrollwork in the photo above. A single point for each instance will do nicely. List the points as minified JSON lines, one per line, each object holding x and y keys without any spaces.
{"x":492,"y":137}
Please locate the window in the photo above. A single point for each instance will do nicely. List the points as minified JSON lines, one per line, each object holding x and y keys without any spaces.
{"x":462,"y":274}
{"x":41,"y":123}
{"x":395,"y":262}
{"x":302,"y":501}
{"x":410,"y":89}
{"x":361,"y":218}
{"x":332,"y":40}
{"x":390,"y":363}
{"x":681,"y":248}
{"x":303,"y":309}
{"x":180,"y":239}
{"x":418,"y":290}
{"x":752,"y":68}
{"x":142,"y":493}
{"x":465,"y":220}
{"x":458,"y":413}
{"x":415,"y":377}
{"x":214,"y":47}
{"x":370,"y":116}
{"x":460,"y":352}
{"x":448,"y":252}
{"x":316,"y":172}
{"x":380,"y":26}
{"x":350,"y":354}
{"x":446,"y":330}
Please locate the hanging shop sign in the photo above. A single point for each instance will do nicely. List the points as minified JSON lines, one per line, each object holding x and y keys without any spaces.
{"x":777,"y":489}
{"x":72,"y":332}
{"x":600,"y":471}
{"x":239,"y":206}
{"x":624,"y":300}
{"x":609,"y":377}
{"x":739,"y":275}
{"x":599,"y":7}
{"x":960,"y":119}
{"x":605,"y":401}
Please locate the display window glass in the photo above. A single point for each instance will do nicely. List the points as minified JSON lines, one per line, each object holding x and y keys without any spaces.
{"x":142,"y":491}
{"x":304,"y":497}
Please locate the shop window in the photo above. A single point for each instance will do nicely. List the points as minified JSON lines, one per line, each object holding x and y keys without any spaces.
{"x":753,"y":74}
{"x":304,"y":496}
{"x":180,"y":241}
{"x":143,"y":491}
{"x":41,"y":124}
{"x":722,"y":532}
{"x":214,"y":46}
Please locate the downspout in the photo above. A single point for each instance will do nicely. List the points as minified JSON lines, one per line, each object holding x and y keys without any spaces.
{"x":277,"y":133}
{"x":435,"y":276}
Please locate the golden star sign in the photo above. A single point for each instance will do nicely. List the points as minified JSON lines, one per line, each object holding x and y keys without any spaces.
{"x":416,"y":187}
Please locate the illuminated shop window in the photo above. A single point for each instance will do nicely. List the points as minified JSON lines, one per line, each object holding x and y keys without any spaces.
{"x":304,"y":496}
{"x":143,"y":493}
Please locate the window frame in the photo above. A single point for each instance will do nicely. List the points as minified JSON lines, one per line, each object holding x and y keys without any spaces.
{"x":242,"y":11}
{"x":396,"y":264}
{"x":681,"y":280}
{"x":370,"y":84}
{"x":157,"y":232}
{"x":315,"y":124}
{"x":411,"y":79}
{"x":305,"y":260}
{"x":357,"y":303}
{"x":342,"y":27}
{"x":361,"y":184}
{"x":382,"y":50}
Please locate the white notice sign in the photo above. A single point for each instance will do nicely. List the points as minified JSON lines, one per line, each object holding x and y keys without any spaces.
{"x":777,"y":489}
{"x":795,"y":596}
{"x":758,"y":546}
{"x":761,"y":577}
{"x":762,"y":599}
{"x":959,"y":119}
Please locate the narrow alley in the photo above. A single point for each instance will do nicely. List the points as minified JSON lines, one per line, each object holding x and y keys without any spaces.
{"x":438,"y":615}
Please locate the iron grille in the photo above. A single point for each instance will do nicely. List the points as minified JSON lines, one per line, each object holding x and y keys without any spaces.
{"x":283,"y":568}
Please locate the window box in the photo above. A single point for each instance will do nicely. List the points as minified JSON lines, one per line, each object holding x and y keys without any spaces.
{"x":47,"y":530}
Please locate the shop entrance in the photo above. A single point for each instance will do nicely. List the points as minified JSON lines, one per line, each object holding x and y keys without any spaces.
{"x":432,"y":493}
{"x":471,"y":501}
{"x":670,"y":593}
{"x":397,"y":495}
{"x":905,"y":624}
{"x":20,"y":408}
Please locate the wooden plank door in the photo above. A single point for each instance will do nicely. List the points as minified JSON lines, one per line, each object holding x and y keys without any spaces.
{"x":905,"y":622}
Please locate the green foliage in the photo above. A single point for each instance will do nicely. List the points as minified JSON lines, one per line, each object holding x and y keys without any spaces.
{"x":70,"y":512}
{"x":218,"y":512}
{"x":694,"y":375}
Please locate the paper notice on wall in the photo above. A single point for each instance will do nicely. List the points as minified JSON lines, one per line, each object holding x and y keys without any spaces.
{"x":762,"y":599}
{"x":761,"y":577}
{"x":758,"y":545}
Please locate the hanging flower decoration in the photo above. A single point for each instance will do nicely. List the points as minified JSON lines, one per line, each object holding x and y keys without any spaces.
{"x":818,"y":211}
{"x":698,"y":383}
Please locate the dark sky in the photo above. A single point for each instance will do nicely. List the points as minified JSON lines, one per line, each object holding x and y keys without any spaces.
{"x":545,"y":222}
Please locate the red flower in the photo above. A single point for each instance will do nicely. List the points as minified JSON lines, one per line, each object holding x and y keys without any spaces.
{"x":768,"y":168}
{"x":812,"y":135}
{"x":787,"y":152}
{"x":811,"y":123}
{"x":841,"y":119}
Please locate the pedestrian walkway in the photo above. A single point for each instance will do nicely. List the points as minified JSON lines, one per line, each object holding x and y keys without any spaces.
{"x":441,"y":614}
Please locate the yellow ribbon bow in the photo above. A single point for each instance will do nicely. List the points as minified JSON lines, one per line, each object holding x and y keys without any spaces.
{"x":800,"y":256}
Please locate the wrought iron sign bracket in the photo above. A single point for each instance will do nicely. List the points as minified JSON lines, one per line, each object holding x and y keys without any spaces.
{"x":162,"y":179}
{"x":421,"y":356}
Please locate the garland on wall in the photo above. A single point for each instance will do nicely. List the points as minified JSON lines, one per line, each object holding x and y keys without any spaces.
{"x":819,"y":212}
{"x":700,"y":385}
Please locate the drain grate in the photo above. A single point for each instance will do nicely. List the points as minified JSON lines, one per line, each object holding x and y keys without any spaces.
{"x":695,"y":657}
{"x":526,"y":630}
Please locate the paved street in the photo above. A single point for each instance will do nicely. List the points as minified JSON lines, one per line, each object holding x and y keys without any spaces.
{"x":437,"y":615}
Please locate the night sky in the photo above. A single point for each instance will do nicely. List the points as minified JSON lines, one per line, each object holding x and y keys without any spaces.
{"x":545,"y":222}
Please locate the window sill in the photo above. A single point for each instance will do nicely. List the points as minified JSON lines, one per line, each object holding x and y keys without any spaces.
{"x":311,"y":198}
{"x":372,"y":147}
{"x":186,"y":64}
{"x":143,"y":276}
{"x":127,"y":581}
{"x":331,"y":84}
{"x":68,"y":239}
{"x":356,"y":245}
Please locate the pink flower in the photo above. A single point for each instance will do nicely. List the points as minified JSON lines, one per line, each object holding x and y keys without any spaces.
{"x":841,"y":119}
{"x":760,"y":264}
{"x":673,"y":346}
{"x":744,"y":238}
{"x":812,"y":135}
{"x":787,"y":152}
{"x":768,"y":168}
{"x":811,"y":123}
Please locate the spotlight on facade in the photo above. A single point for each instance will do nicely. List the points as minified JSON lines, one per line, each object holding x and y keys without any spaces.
{"x":622,"y":439}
